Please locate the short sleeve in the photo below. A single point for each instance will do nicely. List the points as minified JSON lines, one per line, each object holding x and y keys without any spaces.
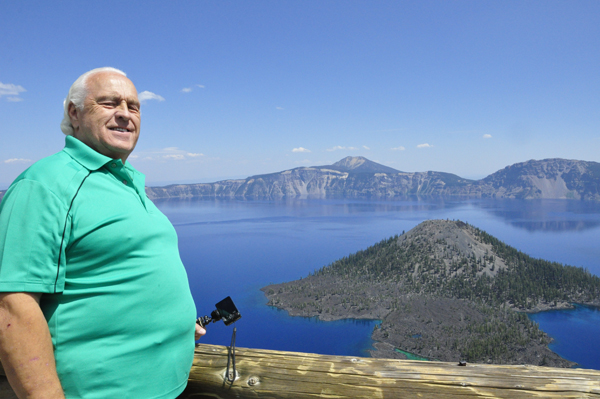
{"x":32,"y":223}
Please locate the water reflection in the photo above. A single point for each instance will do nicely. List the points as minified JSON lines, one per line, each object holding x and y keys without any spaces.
{"x":530,"y":215}
{"x":545,"y":215}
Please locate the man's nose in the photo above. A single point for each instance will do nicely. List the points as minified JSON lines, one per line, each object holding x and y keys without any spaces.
{"x":123,"y":111}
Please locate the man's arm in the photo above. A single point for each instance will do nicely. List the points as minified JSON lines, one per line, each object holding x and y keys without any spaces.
{"x":26,"y":347}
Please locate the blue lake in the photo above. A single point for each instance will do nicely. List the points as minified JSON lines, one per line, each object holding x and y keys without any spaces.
{"x":234,"y":248}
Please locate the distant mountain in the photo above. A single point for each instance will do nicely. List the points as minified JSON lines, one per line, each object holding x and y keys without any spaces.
{"x":444,"y":290}
{"x":356,"y":177}
{"x":360,"y":165}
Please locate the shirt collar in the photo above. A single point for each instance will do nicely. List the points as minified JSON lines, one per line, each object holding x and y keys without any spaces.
{"x":86,"y":156}
{"x":93,"y":160}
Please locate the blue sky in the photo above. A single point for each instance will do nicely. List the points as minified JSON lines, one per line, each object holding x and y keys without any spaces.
{"x":237,"y":88}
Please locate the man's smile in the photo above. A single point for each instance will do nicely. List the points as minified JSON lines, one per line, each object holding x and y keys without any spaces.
{"x":119,"y":129}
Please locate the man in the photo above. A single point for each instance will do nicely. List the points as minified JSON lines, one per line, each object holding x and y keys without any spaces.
{"x":94,"y":299}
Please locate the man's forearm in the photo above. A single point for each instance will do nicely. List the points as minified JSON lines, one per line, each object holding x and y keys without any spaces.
{"x":26,"y":347}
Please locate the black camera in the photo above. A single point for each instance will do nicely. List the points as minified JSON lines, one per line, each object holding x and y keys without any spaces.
{"x":225,"y":310}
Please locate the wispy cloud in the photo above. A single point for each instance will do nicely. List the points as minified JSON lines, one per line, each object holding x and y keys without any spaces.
{"x":339,"y":147}
{"x":166,"y":154}
{"x":12,"y":90}
{"x":300,"y":149}
{"x":279,"y":108}
{"x":365,"y":147}
{"x":424,"y":145}
{"x":19,"y":160}
{"x":191,"y":88}
{"x":148,"y":95}
{"x":487,"y":136}
{"x":399,"y":148}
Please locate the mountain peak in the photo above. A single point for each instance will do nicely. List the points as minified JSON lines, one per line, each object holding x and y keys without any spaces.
{"x":361,"y":165}
{"x":351,"y":162}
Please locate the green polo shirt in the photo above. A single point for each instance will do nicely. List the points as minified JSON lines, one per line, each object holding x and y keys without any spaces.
{"x":78,"y":227}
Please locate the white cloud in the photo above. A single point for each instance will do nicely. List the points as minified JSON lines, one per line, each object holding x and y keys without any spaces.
{"x":166,"y":154}
{"x":424,"y":145}
{"x":12,"y":160}
{"x":399,"y":148}
{"x":189,"y":89}
{"x":300,"y":149}
{"x":279,"y":108}
{"x":339,"y":147}
{"x":148,"y":95}
{"x":487,"y":136}
{"x":365,"y":147}
{"x":9,"y":89}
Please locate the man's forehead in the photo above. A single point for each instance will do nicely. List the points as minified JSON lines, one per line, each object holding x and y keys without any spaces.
{"x":110,"y":82}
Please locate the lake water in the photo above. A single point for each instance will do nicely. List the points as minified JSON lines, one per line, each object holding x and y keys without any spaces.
{"x":234,"y":248}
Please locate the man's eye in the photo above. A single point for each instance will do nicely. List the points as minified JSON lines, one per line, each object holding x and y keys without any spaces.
{"x":108,"y":104}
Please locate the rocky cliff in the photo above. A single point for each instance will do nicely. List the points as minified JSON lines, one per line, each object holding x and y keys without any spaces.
{"x":355,"y":177}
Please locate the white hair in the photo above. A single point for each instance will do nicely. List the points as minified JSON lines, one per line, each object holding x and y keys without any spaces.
{"x":77,"y":94}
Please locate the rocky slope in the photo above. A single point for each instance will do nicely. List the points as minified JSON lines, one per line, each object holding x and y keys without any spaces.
{"x":356,"y":177}
{"x":444,"y":290}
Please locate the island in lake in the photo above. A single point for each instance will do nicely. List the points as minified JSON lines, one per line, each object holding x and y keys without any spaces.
{"x":447,"y":291}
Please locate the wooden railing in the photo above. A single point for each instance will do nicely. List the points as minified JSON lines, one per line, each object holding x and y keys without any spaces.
{"x":292,"y":375}
{"x":274,"y":374}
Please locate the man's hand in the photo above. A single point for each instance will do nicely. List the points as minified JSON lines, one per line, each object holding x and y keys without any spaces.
{"x":26,"y":347}
{"x":199,"y":332}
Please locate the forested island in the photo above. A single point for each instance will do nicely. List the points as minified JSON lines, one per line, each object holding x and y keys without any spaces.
{"x":447,"y":291}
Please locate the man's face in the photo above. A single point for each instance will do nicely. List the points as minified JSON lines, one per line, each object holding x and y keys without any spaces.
{"x":109,"y":122}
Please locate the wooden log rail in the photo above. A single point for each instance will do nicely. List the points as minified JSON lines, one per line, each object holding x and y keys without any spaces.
{"x":292,"y":375}
{"x":275,"y":374}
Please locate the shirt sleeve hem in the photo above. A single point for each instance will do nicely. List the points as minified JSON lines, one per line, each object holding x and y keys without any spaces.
{"x":17,"y":286}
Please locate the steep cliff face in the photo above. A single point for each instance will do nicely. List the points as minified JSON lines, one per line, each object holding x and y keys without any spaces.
{"x":350,"y":177}
{"x":356,"y":177}
{"x":549,"y":178}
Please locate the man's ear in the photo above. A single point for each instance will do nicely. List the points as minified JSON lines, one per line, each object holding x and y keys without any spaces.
{"x":74,"y":117}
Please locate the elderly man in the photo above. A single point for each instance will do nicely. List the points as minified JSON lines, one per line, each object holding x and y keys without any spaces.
{"x":94,"y":299}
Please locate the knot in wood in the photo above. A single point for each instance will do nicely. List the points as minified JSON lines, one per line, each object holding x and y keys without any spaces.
{"x":253,"y":381}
